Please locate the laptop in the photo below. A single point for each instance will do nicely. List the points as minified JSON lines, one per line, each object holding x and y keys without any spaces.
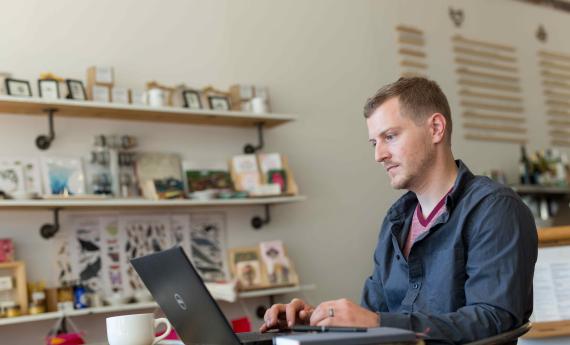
{"x":181,"y":294}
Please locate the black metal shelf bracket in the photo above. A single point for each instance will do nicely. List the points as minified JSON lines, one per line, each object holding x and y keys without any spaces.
{"x":249,"y":148}
{"x":43,"y":142}
{"x":47,"y":231}
{"x":257,"y":222}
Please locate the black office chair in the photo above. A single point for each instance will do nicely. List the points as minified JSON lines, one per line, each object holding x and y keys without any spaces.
{"x":509,"y":337}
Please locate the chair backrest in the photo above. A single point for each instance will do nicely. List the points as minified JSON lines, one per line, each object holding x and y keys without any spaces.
{"x":509,"y":337}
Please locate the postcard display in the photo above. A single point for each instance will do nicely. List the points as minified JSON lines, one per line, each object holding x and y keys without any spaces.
{"x":98,"y":248}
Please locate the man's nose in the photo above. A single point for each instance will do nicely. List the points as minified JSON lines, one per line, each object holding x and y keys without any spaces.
{"x":381,"y":153}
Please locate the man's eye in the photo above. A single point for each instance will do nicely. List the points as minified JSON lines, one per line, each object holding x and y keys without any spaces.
{"x":373,"y":143}
{"x":390,"y":137}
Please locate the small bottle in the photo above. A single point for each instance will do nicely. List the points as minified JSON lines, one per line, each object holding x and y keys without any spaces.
{"x":79,"y":296}
{"x":524,"y":167}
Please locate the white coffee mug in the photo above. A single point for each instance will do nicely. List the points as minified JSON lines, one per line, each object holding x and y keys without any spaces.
{"x":135,"y":329}
{"x":258,"y":105}
{"x":156,"y":97}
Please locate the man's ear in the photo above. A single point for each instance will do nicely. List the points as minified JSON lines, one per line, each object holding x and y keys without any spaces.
{"x":437,"y":125}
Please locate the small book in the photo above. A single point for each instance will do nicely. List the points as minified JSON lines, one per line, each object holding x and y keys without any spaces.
{"x":380,"y":335}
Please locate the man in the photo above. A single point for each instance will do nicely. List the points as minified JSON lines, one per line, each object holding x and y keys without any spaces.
{"x":456,"y":254}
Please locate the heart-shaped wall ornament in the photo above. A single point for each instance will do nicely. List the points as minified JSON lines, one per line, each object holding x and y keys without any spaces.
{"x":457,"y":16}
{"x":541,"y":34}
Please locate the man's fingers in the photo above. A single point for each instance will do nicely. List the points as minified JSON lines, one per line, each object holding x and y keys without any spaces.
{"x":321,"y":313}
{"x":272,"y":315}
{"x":325,"y":322}
{"x":291,"y":309}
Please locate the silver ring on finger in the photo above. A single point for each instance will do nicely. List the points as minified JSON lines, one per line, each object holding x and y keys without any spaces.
{"x":331,"y":311}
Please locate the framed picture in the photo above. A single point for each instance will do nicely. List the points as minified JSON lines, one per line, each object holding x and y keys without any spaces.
{"x":208,"y":238}
{"x":63,"y":174}
{"x":75,"y":89}
{"x":192,"y":99}
{"x":247,"y":268}
{"x":219,"y":102}
{"x":278,"y":266}
{"x":17,"y":87}
{"x":31,"y":171}
{"x":48,"y":88}
{"x":12,"y":179}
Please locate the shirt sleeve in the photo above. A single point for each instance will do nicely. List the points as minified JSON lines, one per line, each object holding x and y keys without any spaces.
{"x":501,"y":250}
{"x":373,"y":292}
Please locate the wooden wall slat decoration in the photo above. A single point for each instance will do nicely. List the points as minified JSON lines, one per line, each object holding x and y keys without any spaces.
{"x":494,"y":117}
{"x":563,"y":95}
{"x":563,"y":104}
{"x":471,"y":62}
{"x":486,"y":106}
{"x":558,"y":75}
{"x":409,"y":29}
{"x":490,"y":85}
{"x":489,"y":91}
{"x":467,"y":92}
{"x":470,"y":72}
{"x":558,"y":113}
{"x":556,"y":84}
{"x":461,"y":39}
{"x":555,"y":65}
{"x":411,"y":42}
{"x":480,"y":53}
{"x":494,"y":138}
{"x":554,"y":55}
{"x":495,"y":128}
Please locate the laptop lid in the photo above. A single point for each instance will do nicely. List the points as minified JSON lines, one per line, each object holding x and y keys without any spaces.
{"x":181,"y":294}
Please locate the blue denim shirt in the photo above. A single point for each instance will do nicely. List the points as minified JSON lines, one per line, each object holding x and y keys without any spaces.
{"x":467,"y":278}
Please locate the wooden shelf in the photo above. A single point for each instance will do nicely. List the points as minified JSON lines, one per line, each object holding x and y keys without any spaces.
{"x":541,"y":190}
{"x":276,"y":291}
{"x":88,"y":109}
{"x":143,"y":203}
{"x":138,"y":306}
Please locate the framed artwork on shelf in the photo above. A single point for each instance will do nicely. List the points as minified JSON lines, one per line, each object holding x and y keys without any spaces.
{"x":277,"y":264}
{"x":219,"y":102}
{"x":75,"y":90}
{"x":63,"y":175}
{"x":245,"y":173}
{"x":192,"y":99}
{"x":31,"y":173}
{"x":157,"y":166}
{"x":12,"y":181}
{"x":208,"y":237}
{"x":18,"y":87}
{"x":246,"y":267}
{"x":6,"y":250}
{"x":48,"y":88}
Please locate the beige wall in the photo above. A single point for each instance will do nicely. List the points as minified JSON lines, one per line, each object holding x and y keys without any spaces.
{"x":320,"y":60}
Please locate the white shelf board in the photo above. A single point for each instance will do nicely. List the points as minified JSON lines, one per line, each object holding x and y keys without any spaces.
{"x":144,"y":203}
{"x":31,"y":318}
{"x":78,"y":312}
{"x":90,"y":109}
{"x":138,"y":306}
{"x":276,"y":291}
{"x":541,"y":190}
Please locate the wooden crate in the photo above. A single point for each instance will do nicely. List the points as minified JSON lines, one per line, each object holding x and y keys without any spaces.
{"x":17,"y":269}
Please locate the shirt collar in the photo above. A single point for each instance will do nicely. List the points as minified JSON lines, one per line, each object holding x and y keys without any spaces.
{"x":408,"y":202}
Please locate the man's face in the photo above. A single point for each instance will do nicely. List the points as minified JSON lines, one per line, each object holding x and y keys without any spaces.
{"x":403,"y":147}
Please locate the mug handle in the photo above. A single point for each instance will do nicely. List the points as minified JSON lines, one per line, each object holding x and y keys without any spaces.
{"x":166,"y":333}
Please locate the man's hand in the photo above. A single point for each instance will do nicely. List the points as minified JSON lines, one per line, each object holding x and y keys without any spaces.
{"x":284,"y":316}
{"x":343,"y":312}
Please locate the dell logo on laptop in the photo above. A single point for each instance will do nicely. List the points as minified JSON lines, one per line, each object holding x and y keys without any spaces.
{"x":180,"y":301}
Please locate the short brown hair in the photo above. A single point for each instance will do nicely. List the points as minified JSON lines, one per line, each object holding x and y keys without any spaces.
{"x":418,"y":97}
